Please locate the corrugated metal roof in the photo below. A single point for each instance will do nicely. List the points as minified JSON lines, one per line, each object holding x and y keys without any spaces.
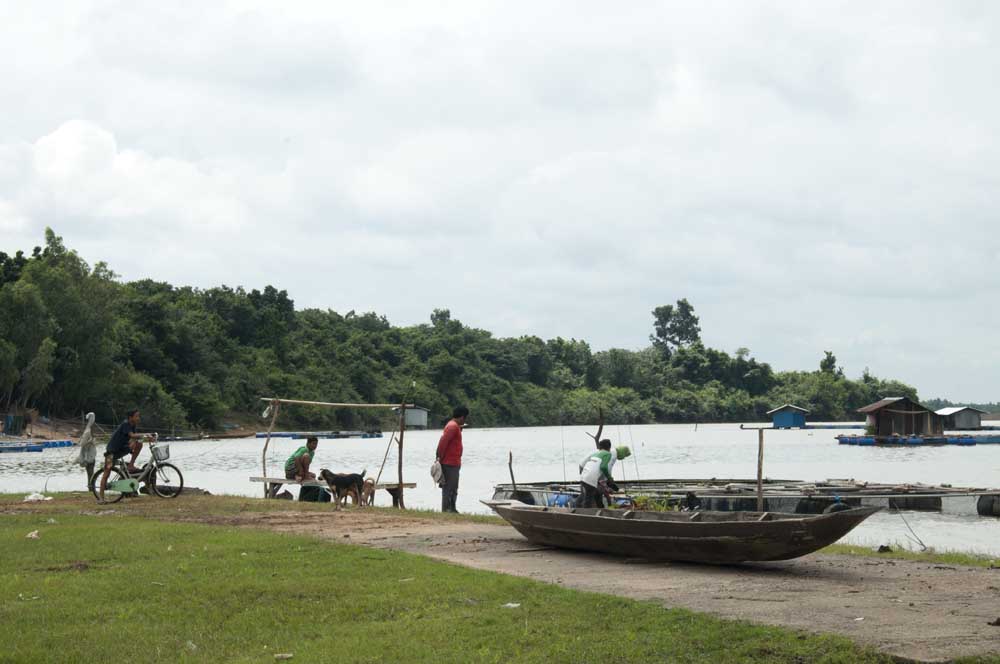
{"x":951,"y":410}
{"x":790,"y":406}
{"x":878,"y":405}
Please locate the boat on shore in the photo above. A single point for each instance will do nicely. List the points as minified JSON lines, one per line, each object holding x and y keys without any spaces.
{"x":789,"y":496}
{"x":699,"y":536}
{"x":32,"y":445}
{"x":21,"y":446}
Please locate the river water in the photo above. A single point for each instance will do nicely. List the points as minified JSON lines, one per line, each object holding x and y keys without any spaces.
{"x":552,"y":453}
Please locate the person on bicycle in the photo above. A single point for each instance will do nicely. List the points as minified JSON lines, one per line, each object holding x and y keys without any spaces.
{"x":123,"y":440}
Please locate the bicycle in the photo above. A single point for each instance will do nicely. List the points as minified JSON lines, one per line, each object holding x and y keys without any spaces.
{"x":161,"y":478}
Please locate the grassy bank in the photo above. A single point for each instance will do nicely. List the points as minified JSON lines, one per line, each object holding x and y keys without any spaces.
{"x":928,"y":556}
{"x":93,"y":587}
{"x":196,"y":507}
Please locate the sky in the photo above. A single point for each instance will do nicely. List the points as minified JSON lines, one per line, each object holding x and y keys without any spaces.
{"x":810,"y":176}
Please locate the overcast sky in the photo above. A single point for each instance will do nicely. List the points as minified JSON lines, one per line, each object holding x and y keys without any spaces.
{"x":811,"y":176}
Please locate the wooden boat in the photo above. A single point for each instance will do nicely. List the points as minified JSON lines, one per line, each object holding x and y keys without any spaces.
{"x":703,"y":537}
{"x":780,"y":495}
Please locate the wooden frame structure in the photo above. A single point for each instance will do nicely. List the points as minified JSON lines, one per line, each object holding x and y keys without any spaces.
{"x":274,"y":405}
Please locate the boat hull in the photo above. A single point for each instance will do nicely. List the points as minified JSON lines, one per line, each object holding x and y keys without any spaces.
{"x":734,"y":537}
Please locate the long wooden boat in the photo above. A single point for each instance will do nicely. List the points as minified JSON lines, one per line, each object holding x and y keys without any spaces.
{"x":780,"y":495}
{"x":703,"y":537}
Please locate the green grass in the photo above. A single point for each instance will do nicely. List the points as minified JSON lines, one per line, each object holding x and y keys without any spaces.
{"x":140,"y":590}
{"x":207,"y":506}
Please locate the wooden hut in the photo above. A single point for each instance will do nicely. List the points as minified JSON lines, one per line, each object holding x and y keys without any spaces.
{"x":416,"y":417}
{"x":788,"y":416}
{"x":901,"y":416}
{"x":962,"y":417}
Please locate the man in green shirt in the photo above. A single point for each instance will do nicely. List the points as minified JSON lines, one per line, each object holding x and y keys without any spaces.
{"x":297,"y":465}
{"x":594,"y":469}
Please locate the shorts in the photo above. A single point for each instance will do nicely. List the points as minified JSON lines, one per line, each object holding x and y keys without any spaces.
{"x":110,"y":457}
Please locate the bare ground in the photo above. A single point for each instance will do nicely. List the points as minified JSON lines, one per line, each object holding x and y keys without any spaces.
{"x":912,"y":610}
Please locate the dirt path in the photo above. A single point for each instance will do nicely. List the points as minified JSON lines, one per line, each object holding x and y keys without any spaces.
{"x":914,"y":610}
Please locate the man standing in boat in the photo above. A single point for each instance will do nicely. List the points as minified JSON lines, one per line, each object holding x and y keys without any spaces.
{"x":595,"y":469}
{"x":449,"y":455}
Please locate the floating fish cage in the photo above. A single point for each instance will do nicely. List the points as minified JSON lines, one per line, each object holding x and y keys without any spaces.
{"x":909,"y":441}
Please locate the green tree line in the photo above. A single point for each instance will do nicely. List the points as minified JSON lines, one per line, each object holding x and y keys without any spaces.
{"x":75,"y":337}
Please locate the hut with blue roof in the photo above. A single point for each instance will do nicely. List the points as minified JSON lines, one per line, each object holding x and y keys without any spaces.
{"x":788,"y":416}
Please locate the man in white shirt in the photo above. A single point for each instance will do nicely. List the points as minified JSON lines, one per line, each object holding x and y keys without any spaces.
{"x":594,"y":469}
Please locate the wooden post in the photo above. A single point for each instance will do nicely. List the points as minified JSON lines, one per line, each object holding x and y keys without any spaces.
{"x":760,"y":470}
{"x":402,"y":429}
{"x":275,"y":406}
{"x":760,"y":465}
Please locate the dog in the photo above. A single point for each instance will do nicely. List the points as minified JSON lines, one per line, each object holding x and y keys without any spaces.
{"x":368,"y":492}
{"x":344,"y":485}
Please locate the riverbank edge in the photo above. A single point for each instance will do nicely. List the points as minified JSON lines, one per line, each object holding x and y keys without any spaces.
{"x":217,"y":506}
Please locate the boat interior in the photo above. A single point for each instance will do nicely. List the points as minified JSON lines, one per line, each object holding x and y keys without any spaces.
{"x":646,"y":515}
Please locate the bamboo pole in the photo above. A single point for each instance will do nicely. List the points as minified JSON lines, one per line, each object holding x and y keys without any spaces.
{"x":510,"y":466}
{"x":402,"y":429}
{"x":276,"y":406}
{"x":337,"y":405}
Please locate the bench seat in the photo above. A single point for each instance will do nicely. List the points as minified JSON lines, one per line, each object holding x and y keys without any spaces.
{"x":318,"y":482}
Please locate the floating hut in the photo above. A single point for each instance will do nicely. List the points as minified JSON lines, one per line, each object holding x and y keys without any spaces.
{"x":788,"y":416}
{"x":895,"y":416}
{"x":962,"y":417}
{"x":416,"y":417}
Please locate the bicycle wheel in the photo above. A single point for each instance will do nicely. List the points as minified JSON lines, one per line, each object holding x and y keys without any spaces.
{"x":166,"y":481}
{"x":110,"y":496}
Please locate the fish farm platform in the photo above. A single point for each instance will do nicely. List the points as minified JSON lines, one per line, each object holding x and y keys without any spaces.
{"x":321,"y":434}
{"x":898,"y":441}
{"x":32,"y":445}
{"x":794,"y":496}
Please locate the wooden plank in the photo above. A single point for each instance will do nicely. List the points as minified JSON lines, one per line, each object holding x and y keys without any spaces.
{"x":282,"y":480}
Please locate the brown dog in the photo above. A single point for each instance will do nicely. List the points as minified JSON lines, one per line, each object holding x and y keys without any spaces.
{"x":344,"y":485}
{"x":368,"y":492}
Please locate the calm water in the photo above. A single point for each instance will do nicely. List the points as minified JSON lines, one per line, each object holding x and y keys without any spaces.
{"x":716,"y":450}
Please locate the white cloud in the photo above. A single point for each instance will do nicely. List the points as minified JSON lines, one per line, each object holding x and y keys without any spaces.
{"x":811,"y":178}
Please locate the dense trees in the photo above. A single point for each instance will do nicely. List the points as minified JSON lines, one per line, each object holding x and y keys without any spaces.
{"x":75,"y":338}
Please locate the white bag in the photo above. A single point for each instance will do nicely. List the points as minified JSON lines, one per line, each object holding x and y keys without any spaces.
{"x":436,"y":473}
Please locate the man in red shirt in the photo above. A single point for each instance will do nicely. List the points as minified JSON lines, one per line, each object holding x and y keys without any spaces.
{"x":449,"y":455}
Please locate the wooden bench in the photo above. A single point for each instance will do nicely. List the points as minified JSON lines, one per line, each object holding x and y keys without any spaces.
{"x":392,"y":488}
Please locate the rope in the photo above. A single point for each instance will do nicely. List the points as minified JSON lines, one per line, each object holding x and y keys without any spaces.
{"x":392,"y":439}
{"x":635,"y":454}
{"x":218,"y":444}
{"x":916,"y":538}
{"x":562,"y":440}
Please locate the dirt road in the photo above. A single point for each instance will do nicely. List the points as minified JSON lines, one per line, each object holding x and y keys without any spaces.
{"x":913,"y":610}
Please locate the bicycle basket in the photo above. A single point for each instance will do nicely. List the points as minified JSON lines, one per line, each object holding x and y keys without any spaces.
{"x":161,"y":452}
